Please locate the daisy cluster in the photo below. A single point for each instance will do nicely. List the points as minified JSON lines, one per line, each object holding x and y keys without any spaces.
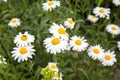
{"x":99,"y":12}
{"x":61,"y":41}
{"x":51,"y":72}
{"x":102,"y":13}
{"x":98,"y":53}
{"x":24,"y":48}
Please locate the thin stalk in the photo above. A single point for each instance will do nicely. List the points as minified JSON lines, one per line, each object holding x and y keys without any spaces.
{"x":99,"y":3}
{"x":53,"y":17}
{"x":11,"y":9}
{"x":54,"y":58}
{"x":75,"y":9}
{"x":25,"y":4}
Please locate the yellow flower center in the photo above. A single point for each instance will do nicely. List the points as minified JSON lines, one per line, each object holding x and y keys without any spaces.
{"x":101,"y":10}
{"x":114,"y":28}
{"x":93,"y":17}
{"x":53,"y":66}
{"x":24,"y":38}
{"x":61,"y":31}
{"x":55,"y":41}
{"x":55,"y":75}
{"x":14,"y":21}
{"x":96,"y":51}
{"x":50,"y":3}
{"x":107,"y":57}
{"x":23,"y":50}
{"x":70,"y":21}
{"x":78,"y":42}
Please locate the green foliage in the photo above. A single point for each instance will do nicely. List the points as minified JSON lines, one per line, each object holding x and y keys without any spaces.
{"x":73,"y":65}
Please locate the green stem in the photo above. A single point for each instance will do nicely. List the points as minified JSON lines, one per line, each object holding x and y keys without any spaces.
{"x":113,"y":36}
{"x":25,"y":4}
{"x":14,"y":71}
{"x":12,"y":10}
{"x":52,"y":16}
{"x":75,"y":9}
{"x":99,"y":2}
{"x":55,"y":58}
{"x":79,"y":21}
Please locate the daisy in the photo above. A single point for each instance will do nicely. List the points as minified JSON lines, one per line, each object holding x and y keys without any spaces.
{"x":108,"y":58}
{"x":23,"y":53}
{"x":57,"y":76}
{"x":113,"y":29}
{"x":69,"y":23}
{"x":24,"y":39}
{"x":59,"y":31}
{"x":53,"y":66}
{"x":55,"y":45}
{"x":14,"y":22}
{"x":116,"y":2}
{"x":96,"y":52}
{"x":101,"y":12}
{"x":49,"y":5}
{"x":92,"y":18}
{"x":119,"y":45}
{"x":78,"y":43}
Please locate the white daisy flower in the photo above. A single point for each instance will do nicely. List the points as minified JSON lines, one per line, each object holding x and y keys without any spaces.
{"x":101,"y":12}
{"x":119,"y":45}
{"x":14,"y":22}
{"x":55,"y":45}
{"x":113,"y":29}
{"x":108,"y":58}
{"x":69,"y":23}
{"x":23,"y":53}
{"x":53,"y":66}
{"x":96,"y":52}
{"x":57,"y":76}
{"x":92,"y":18}
{"x":116,"y":2}
{"x":78,"y":43}
{"x":49,"y":5}
{"x":59,"y":31}
{"x":24,"y":39}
